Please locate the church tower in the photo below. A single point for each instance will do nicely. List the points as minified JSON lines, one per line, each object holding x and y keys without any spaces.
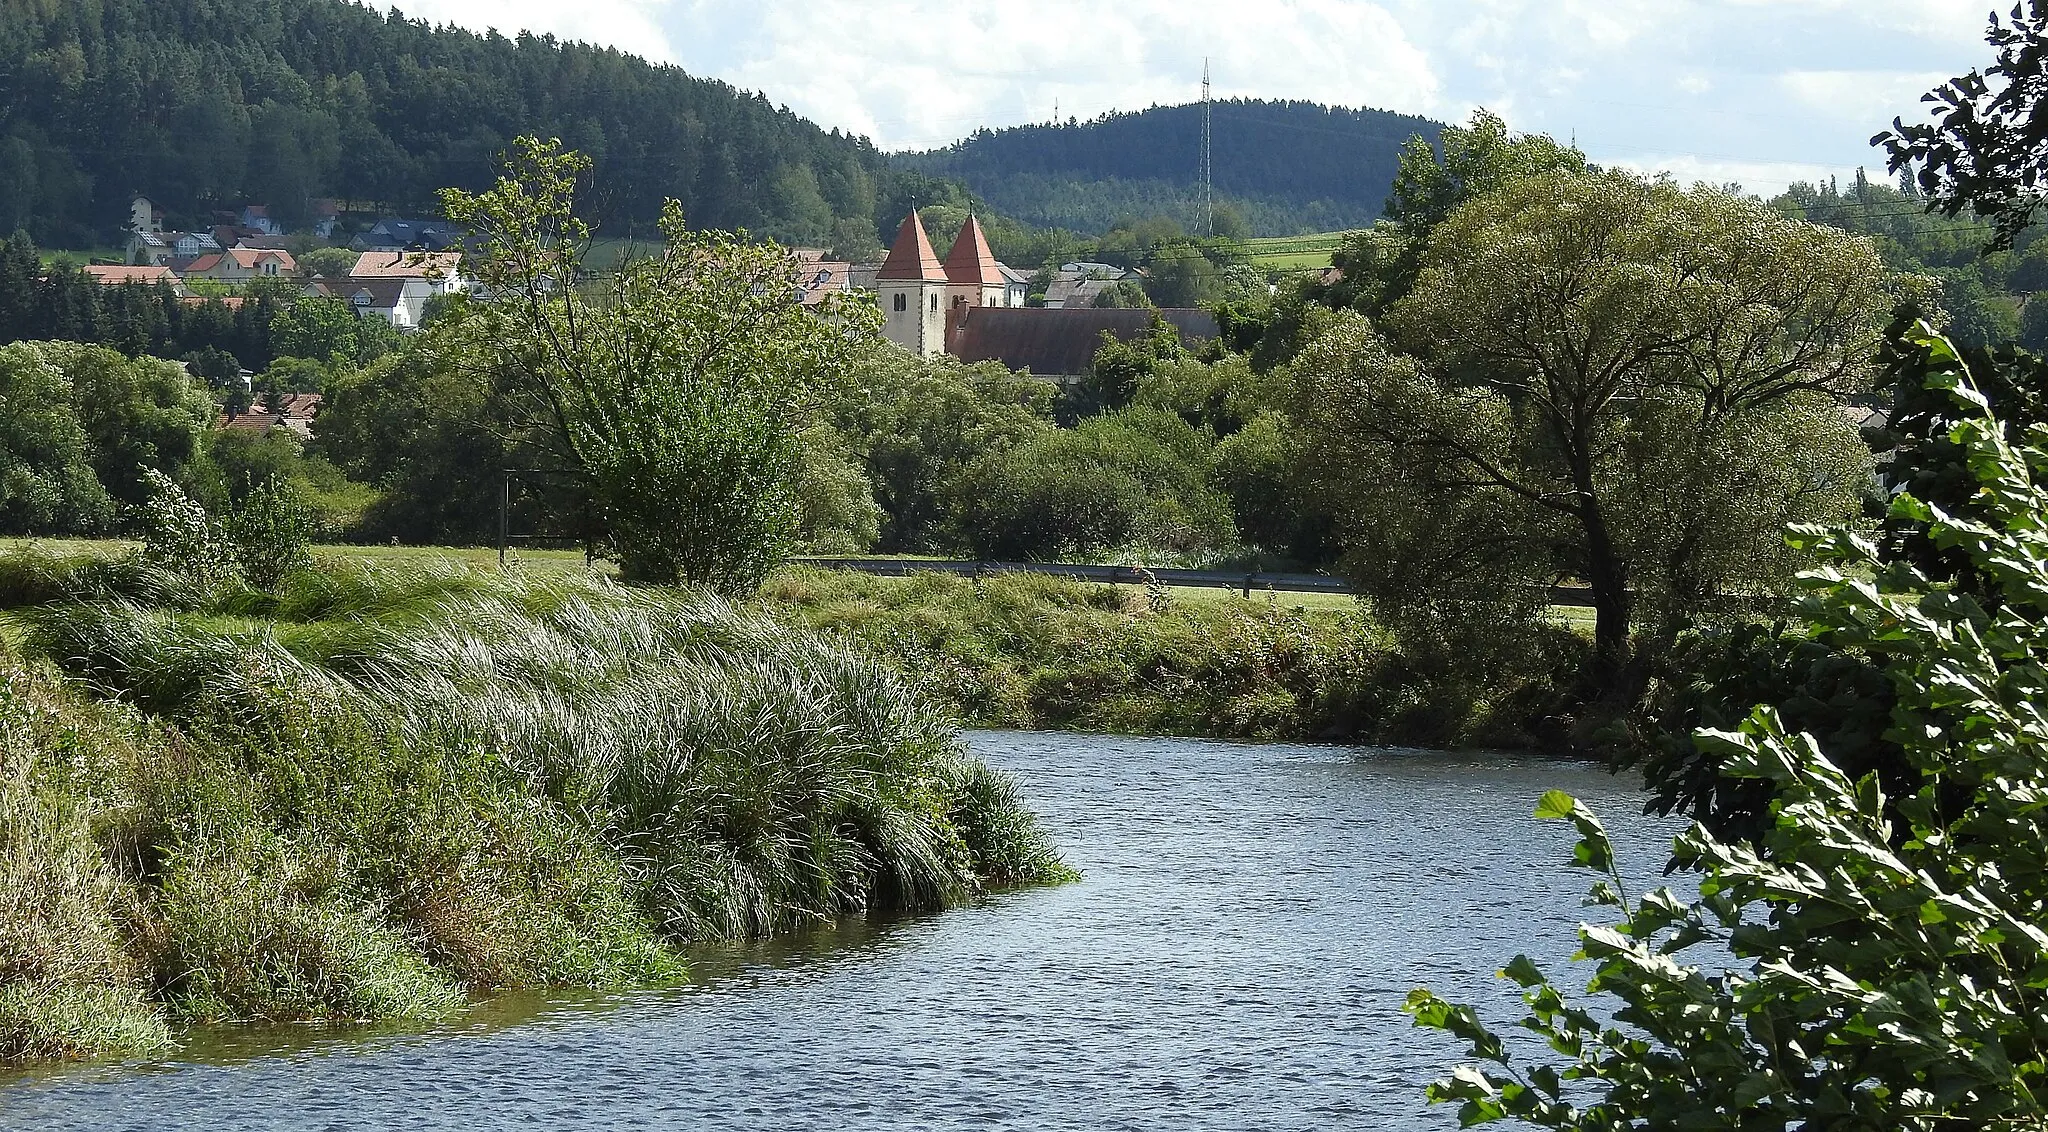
{"x":973,"y":277}
{"x":912,"y":287}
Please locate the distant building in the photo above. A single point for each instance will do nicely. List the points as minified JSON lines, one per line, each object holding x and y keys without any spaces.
{"x":241,"y":265}
{"x":820,"y":279}
{"x":113,"y":276}
{"x":442,"y":271}
{"x":256,"y":217}
{"x":145,"y":216}
{"x":920,"y":295}
{"x":295,"y":414}
{"x":409,"y":235}
{"x":400,"y":301}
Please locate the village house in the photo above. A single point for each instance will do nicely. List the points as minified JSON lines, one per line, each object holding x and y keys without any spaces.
{"x":294,"y":413}
{"x":145,"y":216}
{"x":441,"y":271}
{"x":241,"y":265}
{"x":1060,"y":345}
{"x":400,"y":301}
{"x":408,"y":235}
{"x":109,"y":275}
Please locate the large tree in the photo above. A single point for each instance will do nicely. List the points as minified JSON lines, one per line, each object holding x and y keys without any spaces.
{"x":1603,"y":378}
{"x":676,"y":389}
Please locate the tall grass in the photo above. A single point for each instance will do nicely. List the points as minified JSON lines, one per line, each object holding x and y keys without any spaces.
{"x":378,"y":788}
{"x":1039,"y":652}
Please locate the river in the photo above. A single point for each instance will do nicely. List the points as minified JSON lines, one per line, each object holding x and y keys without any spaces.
{"x":1250,"y":921}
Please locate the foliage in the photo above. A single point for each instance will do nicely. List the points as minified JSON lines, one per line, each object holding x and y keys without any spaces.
{"x":1612,"y":380}
{"x":916,"y":424}
{"x":837,"y":504}
{"x":1288,"y":167}
{"x":207,"y":104}
{"x":1869,"y":961}
{"x":1379,"y":264}
{"x":375,"y":792}
{"x":330,"y":331}
{"x":62,"y":304}
{"x":180,"y":538}
{"x":269,"y":529}
{"x":1120,"y":367}
{"x":1019,"y":650}
{"x":136,"y":414}
{"x":47,"y":483}
{"x":1982,"y":151}
{"x":675,"y":396}
{"x":1126,"y":480}
{"x":337,"y":505}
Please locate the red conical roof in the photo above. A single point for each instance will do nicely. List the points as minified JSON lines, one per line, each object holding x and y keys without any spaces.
{"x":912,"y":257}
{"x":970,"y":261}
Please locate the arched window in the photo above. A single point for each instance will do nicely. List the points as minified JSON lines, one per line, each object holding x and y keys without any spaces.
{"x":901,"y":304}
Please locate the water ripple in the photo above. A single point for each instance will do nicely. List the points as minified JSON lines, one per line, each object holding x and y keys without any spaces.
{"x":1251,"y":919}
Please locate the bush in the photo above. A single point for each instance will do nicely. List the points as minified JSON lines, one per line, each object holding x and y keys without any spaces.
{"x":1133,"y":480}
{"x":269,"y":530}
{"x":1871,"y":960}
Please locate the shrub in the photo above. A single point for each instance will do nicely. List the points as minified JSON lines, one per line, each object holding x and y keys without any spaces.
{"x":1871,"y":961}
{"x":179,"y":538}
{"x":1136,"y":478}
{"x":269,"y":529}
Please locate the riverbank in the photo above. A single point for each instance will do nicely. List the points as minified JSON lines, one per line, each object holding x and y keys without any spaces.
{"x":1047,"y":654}
{"x":1250,"y":920}
{"x":383,"y":789}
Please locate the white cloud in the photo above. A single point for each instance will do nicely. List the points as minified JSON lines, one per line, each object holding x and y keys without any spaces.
{"x":1764,"y":178}
{"x":1757,"y":91}
{"x":915,"y":75}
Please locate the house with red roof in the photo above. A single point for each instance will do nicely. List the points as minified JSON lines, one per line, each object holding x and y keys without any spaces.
{"x":240,"y":265}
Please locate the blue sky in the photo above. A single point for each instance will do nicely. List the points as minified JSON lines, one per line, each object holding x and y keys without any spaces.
{"x":1759,"y":92}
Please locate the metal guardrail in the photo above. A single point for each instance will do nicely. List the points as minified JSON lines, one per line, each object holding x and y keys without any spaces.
{"x":1246,"y":583}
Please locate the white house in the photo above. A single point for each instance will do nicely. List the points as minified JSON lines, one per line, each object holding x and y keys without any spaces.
{"x":240,"y":265}
{"x":402,"y":302}
{"x":145,"y":216}
{"x":257,"y":217}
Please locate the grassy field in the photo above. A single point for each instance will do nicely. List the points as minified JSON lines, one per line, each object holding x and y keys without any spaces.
{"x":1293,"y":253}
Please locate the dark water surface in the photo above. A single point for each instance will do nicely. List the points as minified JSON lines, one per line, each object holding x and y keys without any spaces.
{"x":1251,"y":919}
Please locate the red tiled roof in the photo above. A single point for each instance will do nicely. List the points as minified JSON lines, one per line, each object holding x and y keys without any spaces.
{"x":205,"y":263}
{"x":1062,"y":343}
{"x":912,"y":257}
{"x":406,"y":265}
{"x":249,"y":258}
{"x":971,"y":262}
{"x":114,"y":275}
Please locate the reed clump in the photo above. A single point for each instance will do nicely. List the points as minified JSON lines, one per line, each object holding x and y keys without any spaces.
{"x":376,"y":790}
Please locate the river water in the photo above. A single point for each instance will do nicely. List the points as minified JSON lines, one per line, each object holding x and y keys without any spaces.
{"x":1250,"y":921}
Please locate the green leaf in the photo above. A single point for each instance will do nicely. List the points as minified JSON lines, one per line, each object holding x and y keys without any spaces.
{"x":1556,"y":805}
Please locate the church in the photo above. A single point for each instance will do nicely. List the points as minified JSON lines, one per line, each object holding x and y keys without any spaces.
{"x":971,"y":306}
{"x":922,"y":298}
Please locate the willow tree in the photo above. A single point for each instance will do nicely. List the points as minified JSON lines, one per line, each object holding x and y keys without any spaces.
{"x":1601,"y":378}
{"x":676,"y":387}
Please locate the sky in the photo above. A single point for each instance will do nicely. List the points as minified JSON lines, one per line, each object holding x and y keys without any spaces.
{"x":1755,"y":92}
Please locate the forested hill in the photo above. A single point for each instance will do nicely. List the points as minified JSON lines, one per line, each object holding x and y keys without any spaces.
{"x":1287,"y":167}
{"x":205,"y":104}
